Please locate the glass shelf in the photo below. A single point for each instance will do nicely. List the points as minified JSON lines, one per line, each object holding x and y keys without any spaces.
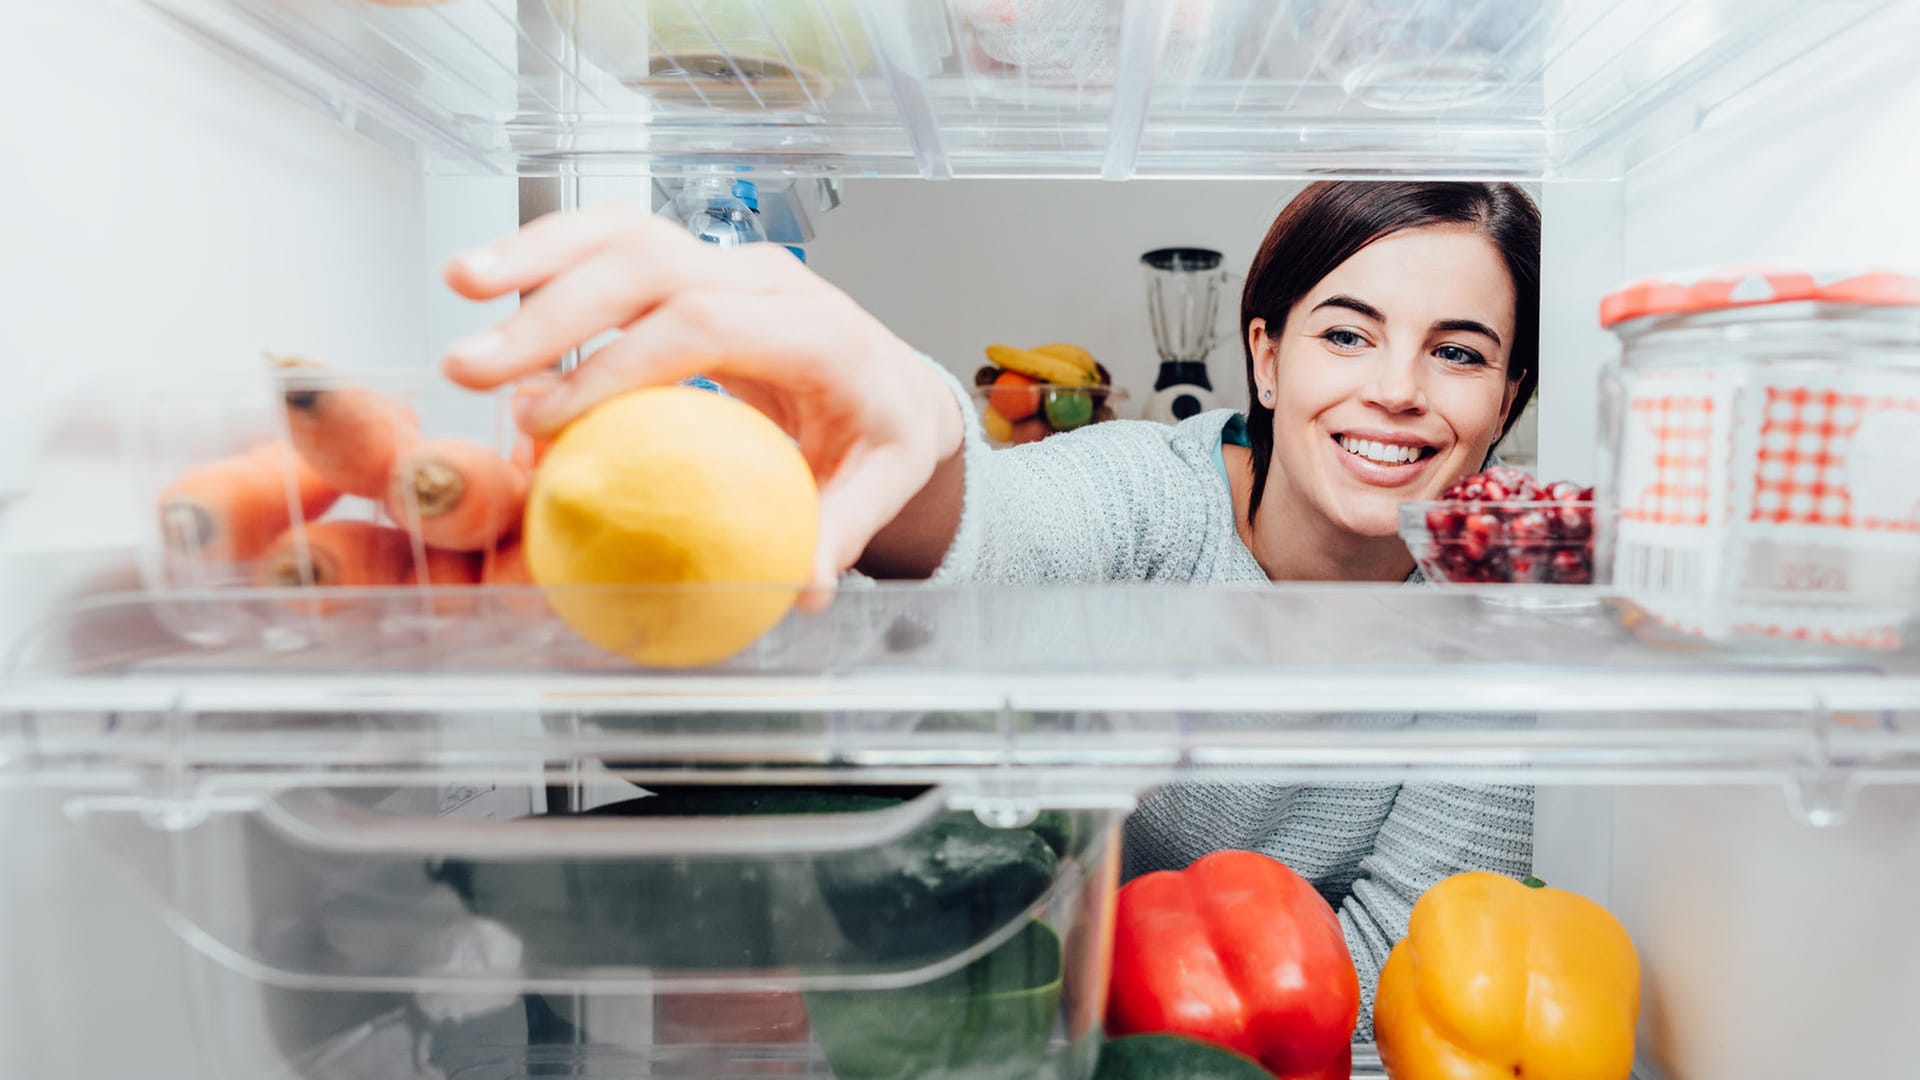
{"x":1091,"y":689}
{"x":1076,"y":88}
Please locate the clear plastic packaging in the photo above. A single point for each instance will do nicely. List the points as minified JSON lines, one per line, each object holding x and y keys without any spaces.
{"x":1537,"y":542}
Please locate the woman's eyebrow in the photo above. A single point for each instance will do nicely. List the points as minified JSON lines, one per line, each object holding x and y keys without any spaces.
{"x":1468,"y":325}
{"x":1352,"y":304}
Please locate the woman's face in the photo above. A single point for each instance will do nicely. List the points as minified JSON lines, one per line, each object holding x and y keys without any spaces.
{"x":1389,"y":379}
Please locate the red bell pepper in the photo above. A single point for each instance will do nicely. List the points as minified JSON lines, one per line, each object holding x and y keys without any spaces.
{"x":1239,"y":951}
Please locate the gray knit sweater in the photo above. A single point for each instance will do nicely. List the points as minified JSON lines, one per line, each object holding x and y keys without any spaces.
{"x":1135,"y":501}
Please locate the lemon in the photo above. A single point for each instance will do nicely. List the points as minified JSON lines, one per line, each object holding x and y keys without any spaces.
{"x":698,"y":497}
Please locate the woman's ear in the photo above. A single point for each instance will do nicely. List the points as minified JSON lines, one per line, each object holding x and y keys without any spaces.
{"x":1265,"y":353}
{"x":1507,"y":405}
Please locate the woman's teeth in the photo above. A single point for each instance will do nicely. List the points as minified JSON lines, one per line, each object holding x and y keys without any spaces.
{"x":1382,"y":453}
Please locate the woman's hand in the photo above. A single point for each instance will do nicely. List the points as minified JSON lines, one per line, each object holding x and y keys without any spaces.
{"x":873,"y":420}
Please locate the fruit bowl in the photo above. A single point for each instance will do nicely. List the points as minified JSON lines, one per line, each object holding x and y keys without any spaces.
{"x":1053,"y":408}
{"x":1026,"y":395}
{"x":1502,"y":527}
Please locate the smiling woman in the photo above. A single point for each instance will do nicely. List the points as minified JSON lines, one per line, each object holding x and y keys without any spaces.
{"x":1391,"y":337}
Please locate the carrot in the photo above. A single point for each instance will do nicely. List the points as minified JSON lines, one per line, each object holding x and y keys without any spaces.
{"x":456,"y":494}
{"x":507,"y":565}
{"x":228,"y":511}
{"x":443,"y":567}
{"x":340,"y":554}
{"x":349,"y":434}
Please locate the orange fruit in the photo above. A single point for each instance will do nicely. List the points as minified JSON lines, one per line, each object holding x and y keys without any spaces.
{"x":1014,"y":396}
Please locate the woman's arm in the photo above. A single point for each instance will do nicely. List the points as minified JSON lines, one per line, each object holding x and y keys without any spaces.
{"x":1111,"y":502}
{"x":874,"y":420}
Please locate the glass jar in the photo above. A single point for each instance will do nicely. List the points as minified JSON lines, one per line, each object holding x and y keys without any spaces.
{"x":1762,"y":438}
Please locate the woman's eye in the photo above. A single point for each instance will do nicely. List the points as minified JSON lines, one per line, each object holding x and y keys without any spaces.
{"x":1342,"y":338}
{"x":1457,"y":354}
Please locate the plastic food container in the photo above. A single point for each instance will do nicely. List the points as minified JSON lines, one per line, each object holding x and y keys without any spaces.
{"x":1760,"y":432}
{"x":1044,"y":409}
{"x":1536,"y":542}
{"x":694,"y":931}
{"x":727,"y":54}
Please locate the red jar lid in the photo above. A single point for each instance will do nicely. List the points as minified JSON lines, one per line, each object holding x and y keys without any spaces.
{"x":1729,"y":287}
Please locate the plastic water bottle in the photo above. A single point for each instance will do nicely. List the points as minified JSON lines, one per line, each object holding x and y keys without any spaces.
{"x":719,"y":210}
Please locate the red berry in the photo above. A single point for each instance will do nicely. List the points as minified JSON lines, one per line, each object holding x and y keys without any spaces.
{"x":1508,"y":477}
{"x":1567,"y":491}
{"x":1573,"y":522}
{"x":1444,"y":522}
{"x":1484,"y":527}
{"x":1570,"y":567}
{"x":1473,"y":489}
{"x":1530,"y":527}
{"x":1527,"y":566}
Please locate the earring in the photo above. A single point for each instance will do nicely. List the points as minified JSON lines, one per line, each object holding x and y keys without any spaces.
{"x":1266,"y":396}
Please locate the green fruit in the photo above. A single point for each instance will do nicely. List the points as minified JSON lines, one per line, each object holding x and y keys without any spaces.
{"x":1068,"y":409}
{"x":1173,"y":1057}
{"x":992,"y":1018}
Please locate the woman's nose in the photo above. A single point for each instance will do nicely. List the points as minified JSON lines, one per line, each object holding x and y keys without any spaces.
{"x":1395,"y":385}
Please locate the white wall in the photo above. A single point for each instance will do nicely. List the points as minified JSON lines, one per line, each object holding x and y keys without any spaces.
{"x":160,"y":211}
{"x":168,"y":212}
{"x":953,"y":267}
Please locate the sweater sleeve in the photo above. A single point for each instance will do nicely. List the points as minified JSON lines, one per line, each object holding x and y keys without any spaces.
{"x":1432,"y":832}
{"x":1110,"y":502}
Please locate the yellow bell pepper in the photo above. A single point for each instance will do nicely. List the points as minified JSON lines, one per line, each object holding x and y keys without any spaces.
{"x":1497,"y":979}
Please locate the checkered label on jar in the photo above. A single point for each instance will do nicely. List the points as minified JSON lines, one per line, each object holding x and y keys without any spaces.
{"x":1832,"y":458}
{"x":1676,"y":436}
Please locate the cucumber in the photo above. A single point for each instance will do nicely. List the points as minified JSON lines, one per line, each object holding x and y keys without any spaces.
{"x":916,"y":900}
{"x":937,"y":890}
{"x":1173,"y":1057}
{"x":988,"y":1020}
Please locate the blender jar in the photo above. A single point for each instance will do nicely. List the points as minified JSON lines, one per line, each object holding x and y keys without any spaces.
{"x":1762,"y":438}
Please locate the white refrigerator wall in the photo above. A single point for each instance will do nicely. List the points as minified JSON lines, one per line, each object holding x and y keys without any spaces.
{"x":164,"y":211}
{"x":1771,"y":948}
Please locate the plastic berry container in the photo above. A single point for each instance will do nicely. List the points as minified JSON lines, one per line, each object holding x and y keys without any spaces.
{"x":1502,"y":527}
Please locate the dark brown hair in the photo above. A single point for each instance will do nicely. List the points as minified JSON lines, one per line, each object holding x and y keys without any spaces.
{"x":1332,"y":219}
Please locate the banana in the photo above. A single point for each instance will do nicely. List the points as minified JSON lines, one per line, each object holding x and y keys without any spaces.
{"x":1039,"y":365}
{"x":1072,"y":354}
{"x":998,"y":428}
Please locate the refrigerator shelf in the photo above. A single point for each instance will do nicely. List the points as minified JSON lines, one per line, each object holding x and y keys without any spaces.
{"x":998,"y":691}
{"x":1050,"y":88}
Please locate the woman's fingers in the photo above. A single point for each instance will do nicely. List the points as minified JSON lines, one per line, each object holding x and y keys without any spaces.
{"x":607,"y":288}
{"x":610,"y":289}
{"x":859,"y":498}
{"x":548,"y":245}
{"x":680,"y":338}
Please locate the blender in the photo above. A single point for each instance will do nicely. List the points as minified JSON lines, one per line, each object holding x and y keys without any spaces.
{"x":1184,"y":286}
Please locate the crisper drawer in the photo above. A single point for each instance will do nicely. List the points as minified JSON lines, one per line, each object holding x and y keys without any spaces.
{"x":425,"y":930}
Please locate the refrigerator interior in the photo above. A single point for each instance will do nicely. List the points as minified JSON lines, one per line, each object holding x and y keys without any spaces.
{"x":294,"y":187}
